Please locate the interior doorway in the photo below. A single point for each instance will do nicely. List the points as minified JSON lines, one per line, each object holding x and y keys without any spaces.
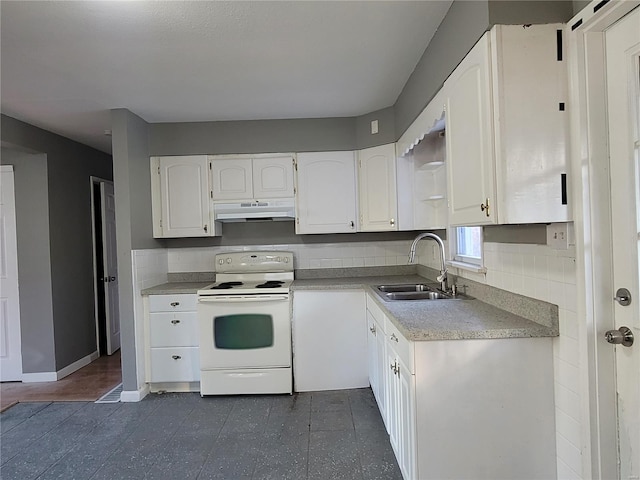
{"x":105,"y":266}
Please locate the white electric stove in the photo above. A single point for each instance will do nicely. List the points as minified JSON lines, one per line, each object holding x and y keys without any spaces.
{"x":245,"y":325}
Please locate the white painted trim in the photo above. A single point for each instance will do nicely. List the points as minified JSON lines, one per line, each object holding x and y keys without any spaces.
{"x":6,"y":168}
{"x":77,"y":365}
{"x":60,"y":374}
{"x":39,"y":377}
{"x":592,"y":228}
{"x":134,"y":395}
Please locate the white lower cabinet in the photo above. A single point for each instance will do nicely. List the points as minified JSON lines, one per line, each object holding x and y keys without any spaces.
{"x":481,"y":408}
{"x":329,"y":340}
{"x":173,"y":358}
{"x":376,"y":357}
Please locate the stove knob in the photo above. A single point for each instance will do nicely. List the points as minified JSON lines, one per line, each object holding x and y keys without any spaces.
{"x":286,"y":259}
{"x":221,"y":261}
{"x":278,"y":259}
{"x":228,"y":260}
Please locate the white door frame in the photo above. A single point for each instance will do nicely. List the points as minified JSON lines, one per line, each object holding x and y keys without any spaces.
{"x":592,"y":206}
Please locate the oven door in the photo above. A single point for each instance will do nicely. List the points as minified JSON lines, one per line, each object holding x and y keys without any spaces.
{"x":237,"y":331}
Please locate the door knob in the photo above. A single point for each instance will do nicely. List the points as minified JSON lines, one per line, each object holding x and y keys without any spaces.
{"x":623,"y":336}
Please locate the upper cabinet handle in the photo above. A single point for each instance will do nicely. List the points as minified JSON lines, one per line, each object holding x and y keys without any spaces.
{"x":485,"y":207}
{"x":175,"y":304}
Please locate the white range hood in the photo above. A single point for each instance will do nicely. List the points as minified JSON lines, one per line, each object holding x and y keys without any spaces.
{"x":271,"y":210}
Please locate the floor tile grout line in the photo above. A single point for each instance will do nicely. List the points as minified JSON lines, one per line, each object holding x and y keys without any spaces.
{"x":24,"y":419}
{"x":213,"y":443}
{"x":4,"y":461}
{"x":96,"y":426}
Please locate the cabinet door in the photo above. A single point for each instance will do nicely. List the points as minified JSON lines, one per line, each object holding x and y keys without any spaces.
{"x":469,"y":139}
{"x":326,"y":194}
{"x":273,"y":177}
{"x":393,"y":401}
{"x":372,"y":355}
{"x":232,"y":179}
{"x":184,"y":196}
{"x":377,"y":187}
{"x":406,"y":418}
{"x":383,"y":394}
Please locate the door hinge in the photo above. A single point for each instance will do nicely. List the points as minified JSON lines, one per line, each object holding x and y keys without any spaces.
{"x":211,"y":193}
{"x":160,"y":223}
{"x":295,"y":165}
{"x":210,"y":168}
{"x":206,"y":229}
{"x":158,"y":169}
{"x":485,"y":207}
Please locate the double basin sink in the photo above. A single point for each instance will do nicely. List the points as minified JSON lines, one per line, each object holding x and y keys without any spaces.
{"x":415,"y":291}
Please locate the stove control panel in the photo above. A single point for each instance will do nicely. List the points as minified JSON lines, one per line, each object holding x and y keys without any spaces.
{"x":262,"y":261}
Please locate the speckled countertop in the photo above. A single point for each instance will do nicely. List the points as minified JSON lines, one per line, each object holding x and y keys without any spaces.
{"x":421,"y":320}
{"x":499,"y":314}
{"x":173,"y":288}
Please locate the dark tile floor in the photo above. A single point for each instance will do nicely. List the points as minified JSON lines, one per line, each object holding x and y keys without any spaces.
{"x":319,"y":435}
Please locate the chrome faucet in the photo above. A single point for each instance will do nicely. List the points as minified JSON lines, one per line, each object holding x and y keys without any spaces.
{"x":442,"y":278}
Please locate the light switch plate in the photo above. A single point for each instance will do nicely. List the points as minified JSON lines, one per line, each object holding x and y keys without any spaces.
{"x":374,"y":127}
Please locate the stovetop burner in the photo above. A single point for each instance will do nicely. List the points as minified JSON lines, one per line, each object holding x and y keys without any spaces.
{"x":270,"y":284}
{"x":226,"y":285}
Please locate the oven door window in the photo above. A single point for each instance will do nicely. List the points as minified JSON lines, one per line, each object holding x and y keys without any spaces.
{"x":243,"y":331}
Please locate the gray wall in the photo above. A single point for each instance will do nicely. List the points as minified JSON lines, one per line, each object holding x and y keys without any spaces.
{"x":34,"y":259}
{"x":69,"y":166}
{"x":460,"y":29}
{"x":133,"y":219}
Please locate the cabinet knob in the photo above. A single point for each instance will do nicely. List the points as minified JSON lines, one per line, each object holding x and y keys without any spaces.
{"x":485,"y":207}
{"x":176,"y":357}
{"x":372,"y":328}
{"x":352,"y":224}
{"x":394,"y":338}
{"x":392,"y":222}
{"x":175,"y":304}
{"x":206,"y":229}
{"x":175,"y":322}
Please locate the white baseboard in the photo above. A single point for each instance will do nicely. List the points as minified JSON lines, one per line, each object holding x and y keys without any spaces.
{"x":60,"y":374}
{"x":39,"y":377}
{"x":134,"y":395}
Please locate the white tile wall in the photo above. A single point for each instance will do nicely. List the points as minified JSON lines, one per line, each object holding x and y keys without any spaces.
{"x":306,"y":256}
{"x":540,"y":272}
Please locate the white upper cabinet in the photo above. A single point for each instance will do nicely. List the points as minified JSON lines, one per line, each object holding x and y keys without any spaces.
{"x":470,"y":139}
{"x":377,"y":189}
{"x":506,"y":129}
{"x":326,"y":192}
{"x":247,"y":177}
{"x":232,"y":178}
{"x":181,"y":196}
{"x":273,"y":177}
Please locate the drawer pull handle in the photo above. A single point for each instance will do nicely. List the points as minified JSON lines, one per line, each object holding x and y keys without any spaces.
{"x":393,"y":337}
{"x":175,"y":322}
{"x":175,"y":304}
{"x":176,"y":357}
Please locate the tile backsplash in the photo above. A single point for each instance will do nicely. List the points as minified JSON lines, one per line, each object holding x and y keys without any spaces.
{"x":306,"y":256}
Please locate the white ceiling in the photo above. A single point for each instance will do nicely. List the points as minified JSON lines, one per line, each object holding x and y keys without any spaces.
{"x":65,"y":64}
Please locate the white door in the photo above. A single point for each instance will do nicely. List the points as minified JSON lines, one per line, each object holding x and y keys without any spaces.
{"x":10,"y":342}
{"x":109,"y":260}
{"x":272,"y":177}
{"x":326,"y":195}
{"x":623,"y":97}
{"x":377,"y":187}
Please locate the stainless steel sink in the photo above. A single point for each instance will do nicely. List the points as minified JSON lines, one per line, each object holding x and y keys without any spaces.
{"x":414,"y":291}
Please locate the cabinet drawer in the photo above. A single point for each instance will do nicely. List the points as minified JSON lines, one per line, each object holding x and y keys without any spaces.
{"x":173,"y":303}
{"x":169,"y":329}
{"x":178,"y":364}
{"x":400,"y":345}
{"x":376,"y":312}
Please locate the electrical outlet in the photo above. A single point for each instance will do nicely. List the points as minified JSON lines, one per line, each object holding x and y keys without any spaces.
{"x":558,"y":236}
{"x":374,"y":127}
